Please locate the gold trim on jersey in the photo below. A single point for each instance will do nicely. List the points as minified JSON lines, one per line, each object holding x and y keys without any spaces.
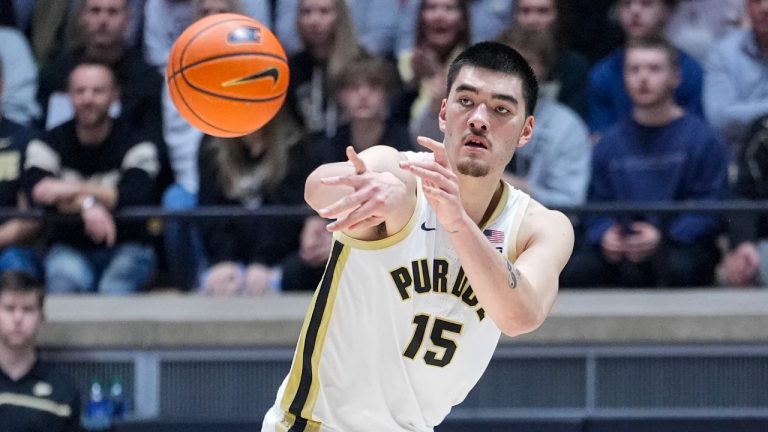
{"x":36,"y":403}
{"x":300,"y":394}
{"x":388,"y":241}
{"x":500,"y":206}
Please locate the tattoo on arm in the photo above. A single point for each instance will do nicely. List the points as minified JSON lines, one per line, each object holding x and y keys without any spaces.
{"x":514,"y":275}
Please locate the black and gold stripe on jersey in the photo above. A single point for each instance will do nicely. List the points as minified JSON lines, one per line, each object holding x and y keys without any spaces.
{"x":303,"y":382}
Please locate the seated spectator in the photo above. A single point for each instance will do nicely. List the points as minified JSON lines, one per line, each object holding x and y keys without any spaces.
{"x":696,"y":25}
{"x":747,"y":262}
{"x":608,"y":99}
{"x":103,"y":24}
{"x":330,"y":42}
{"x":569,"y":75}
{"x":735,"y":85}
{"x":554,"y":166}
{"x":660,"y":153}
{"x":20,"y":77}
{"x":90,"y":166}
{"x":364,"y":90}
{"x":165,"y":20}
{"x":22,"y":374}
{"x":266,"y":167}
{"x":487,"y":19}
{"x":17,"y":235}
{"x":375,"y":23}
{"x":184,"y":255}
{"x":442,"y":31}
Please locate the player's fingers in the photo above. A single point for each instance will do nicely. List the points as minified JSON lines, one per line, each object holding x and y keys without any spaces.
{"x":345,"y":204}
{"x":437,"y":148}
{"x":366,"y":210}
{"x":433,"y":175}
{"x":355,"y":159}
{"x":369,"y":222}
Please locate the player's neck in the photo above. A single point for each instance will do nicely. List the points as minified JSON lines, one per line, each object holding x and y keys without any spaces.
{"x":659,"y":114}
{"x":365,"y":133}
{"x":480,"y":195}
{"x":15,"y":363}
{"x":94,"y":135}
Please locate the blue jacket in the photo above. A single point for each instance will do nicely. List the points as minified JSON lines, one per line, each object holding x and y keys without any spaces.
{"x":683,"y":160}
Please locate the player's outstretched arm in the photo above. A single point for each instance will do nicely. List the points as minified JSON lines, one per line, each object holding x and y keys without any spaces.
{"x":369,"y":196}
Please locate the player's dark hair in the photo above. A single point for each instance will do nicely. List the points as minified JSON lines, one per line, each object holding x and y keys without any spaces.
{"x":500,"y":58}
{"x":12,"y":281}
{"x":657,"y":42}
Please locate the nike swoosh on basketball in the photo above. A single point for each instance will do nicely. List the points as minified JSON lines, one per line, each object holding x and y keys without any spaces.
{"x":424,"y":227}
{"x":266,"y":73}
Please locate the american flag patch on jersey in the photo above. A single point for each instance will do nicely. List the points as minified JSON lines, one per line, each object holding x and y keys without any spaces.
{"x":494,"y":236}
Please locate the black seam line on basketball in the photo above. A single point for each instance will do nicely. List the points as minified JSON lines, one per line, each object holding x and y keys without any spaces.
{"x":310,"y":338}
{"x":189,"y":107}
{"x":214,"y":24}
{"x":191,"y":65}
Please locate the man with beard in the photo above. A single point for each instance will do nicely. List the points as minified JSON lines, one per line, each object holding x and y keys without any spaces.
{"x":433,"y":257}
{"x":90,"y":166}
{"x":101,"y":26}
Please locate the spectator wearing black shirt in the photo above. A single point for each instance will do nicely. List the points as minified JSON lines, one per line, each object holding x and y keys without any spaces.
{"x":36,"y":398}
{"x":91,"y":166}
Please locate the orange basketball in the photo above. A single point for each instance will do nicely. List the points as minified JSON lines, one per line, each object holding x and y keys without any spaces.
{"x":227,"y":75}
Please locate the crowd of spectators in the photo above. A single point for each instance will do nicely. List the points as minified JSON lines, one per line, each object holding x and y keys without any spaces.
{"x":640,"y":101}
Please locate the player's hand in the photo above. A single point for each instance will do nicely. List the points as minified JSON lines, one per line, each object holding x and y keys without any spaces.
{"x":612,"y":244}
{"x":375,"y":194}
{"x":439,"y":183}
{"x":642,"y":243}
{"x":739,"y":267}
{"x":315,"y":242}
{"x":99,"y":225}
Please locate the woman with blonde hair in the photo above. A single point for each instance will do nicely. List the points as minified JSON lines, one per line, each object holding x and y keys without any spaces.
{"x":266,"y":167}
{"x":328,"y":34}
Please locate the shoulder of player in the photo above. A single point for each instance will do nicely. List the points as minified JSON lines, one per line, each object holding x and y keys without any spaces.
{"x":541,"y":223}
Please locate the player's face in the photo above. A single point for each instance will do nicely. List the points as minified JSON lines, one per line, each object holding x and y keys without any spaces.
{"x":758,"y":16}
{"x":20,"y":318}
{"x":649,"y":76}
{"x":105,"y":21}
{"x":538,"y":14}
{"x":362,"y":100}
{"x":92,"y":90}
{"x":317,"y":19}
{"x":642,"y":18}
{"x":212,"y":7}
{"x":442,"y":21}
{"x":484,"y":121}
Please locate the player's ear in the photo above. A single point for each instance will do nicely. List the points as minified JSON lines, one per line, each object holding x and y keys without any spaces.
{"x":441,"y":117}
{"x":527,"y":132}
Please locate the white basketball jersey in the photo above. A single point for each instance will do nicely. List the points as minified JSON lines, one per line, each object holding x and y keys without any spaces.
{"x":394,"y":336}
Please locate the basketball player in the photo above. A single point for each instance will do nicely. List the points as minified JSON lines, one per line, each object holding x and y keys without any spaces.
{"x":433,"y":257}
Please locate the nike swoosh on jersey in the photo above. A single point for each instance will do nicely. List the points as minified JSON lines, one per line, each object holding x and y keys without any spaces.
{"x":424,"y":227}
{"x":266,"y":73}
